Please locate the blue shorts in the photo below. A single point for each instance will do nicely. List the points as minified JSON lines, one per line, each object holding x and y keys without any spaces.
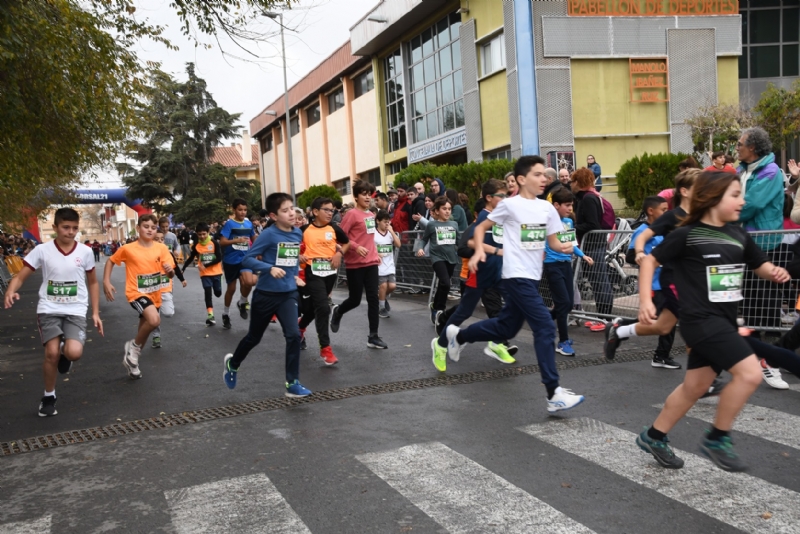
{"x":232,"y":271}
{"x":214,"y":282}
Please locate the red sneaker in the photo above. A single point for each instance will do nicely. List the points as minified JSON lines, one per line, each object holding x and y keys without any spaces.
{"x":326,"y":353}
{"x":597,"y":327}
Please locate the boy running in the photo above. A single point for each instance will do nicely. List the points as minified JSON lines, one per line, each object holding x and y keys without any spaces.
{"x":145,"y":261}
{"x":167,"y":304}
{"x":385,"y":241}
{"x":321,"y":259}
{"x":69,"y":280}
{"x":209,"y":267}
{"x":235,"y":238}
{"x":276,"y":292}
{"x":528,"y":223}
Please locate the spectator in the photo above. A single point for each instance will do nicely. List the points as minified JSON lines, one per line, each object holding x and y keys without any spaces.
{"x":458,"y":214}
{"x":464,"y":200}
{"x":401,"y":221}
{"x":96,"y":250}
{"x":437,"y":187}
{"x":595,"y":168}
{"x":563,"y":177}
{"x":416,"y":208}
{"x":185,"y":238}
{"x":688,"y":163}
{"x":718,"y":163}
{"x":337,"y":213}
{"x":511,"y":182}
{"x":420,"y":187}
{"x":553,"y":184}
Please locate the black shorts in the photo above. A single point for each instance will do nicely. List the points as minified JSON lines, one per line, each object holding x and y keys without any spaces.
{"x":232,"y":272}
{"x":141,"y":304}
{"x":667,"y":299}
{"x":720,"y":351}
{"x":213,"y":282}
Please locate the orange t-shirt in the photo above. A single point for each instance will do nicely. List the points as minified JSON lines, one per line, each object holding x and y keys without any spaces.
{"x":143,"y":268}
{"x":207,"y":253}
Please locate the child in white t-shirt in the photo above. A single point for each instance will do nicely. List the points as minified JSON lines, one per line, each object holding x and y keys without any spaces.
{"x":68,"y":282}
{"x":528,"y":223}
{"x":386,"y":240}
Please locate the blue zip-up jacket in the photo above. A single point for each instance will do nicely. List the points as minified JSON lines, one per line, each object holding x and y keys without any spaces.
{"x":763,"y":200}
{"x":266,"y":246}
{"x":551,"y":256}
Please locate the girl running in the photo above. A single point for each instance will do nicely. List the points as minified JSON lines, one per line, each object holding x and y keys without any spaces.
{"x":712,"y":254}
{"x":442,"y":234}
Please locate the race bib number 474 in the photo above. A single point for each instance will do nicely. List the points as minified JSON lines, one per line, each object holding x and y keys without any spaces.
{"x":532,"y":236}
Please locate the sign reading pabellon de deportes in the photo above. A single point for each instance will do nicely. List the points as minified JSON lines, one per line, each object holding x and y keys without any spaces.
{"x":651,"y":8}
{"x":446,"y":142}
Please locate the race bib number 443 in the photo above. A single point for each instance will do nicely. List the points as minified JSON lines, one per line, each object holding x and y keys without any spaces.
{"x":62,"y":292}
{"x":532,"y":236}
{"x":725,"y":282}
{"x":287,"y":256}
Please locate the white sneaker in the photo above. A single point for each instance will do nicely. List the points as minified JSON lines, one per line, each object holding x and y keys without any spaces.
{"x":772,"y":376}
{"x":563,"y":399}
{"x":454,"y":348}
{"x":131,"y":359}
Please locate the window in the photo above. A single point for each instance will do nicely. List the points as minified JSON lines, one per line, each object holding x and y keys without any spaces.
{"x":294,"y":126}
{"x":278,"y":136}
{"x":398,"y":166}
{"x":770,"y":39}
{"x":343,"y":186}
{"x":312,"y":115}
{"x":437,"y":103}
{"x":373,"y":177}
{"x":268,"y":143}
{"x":499,"y":154}
{"x":395,"y":101}
{"x":493,"y":55}
{"x":336,"y":100}
{"x":363,"y":83}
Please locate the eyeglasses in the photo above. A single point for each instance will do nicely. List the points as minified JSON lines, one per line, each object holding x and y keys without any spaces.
{"x":326,"y":210}
{"x":499,"y":195}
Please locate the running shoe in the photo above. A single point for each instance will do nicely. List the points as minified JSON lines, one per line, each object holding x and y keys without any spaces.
{"x":772,"y":376}
{"x":157,"y":342}
{"x":210,"y":321}
{"x":439,"y":355}
{"x":296,"y":390}
{"x":513,"y":349}
{"x":327,"y":355}
{"x":613,"y":341}
{"x":303,"y":343}
{"x":433,"y":314}
{"x":436,"y":316}
{"x":722,"y":454}
{"x":665,"y":363}
{"x":374,"y":342}
{"x":64,"y":365}
{"x":335,"y":318}
{"x":386,"y":305}
{"x":244,"y":307}
{"x":440,"y":323}
{"x":715,"y":388}
{"x":563,"y":399}
{"x":47,"y":406}
{"x":565,"y":348}
{"x":595,"y":326}
{"x":454,"y":348}
{"x":131,"y":360}
{"x":383,"y":313}
{"x":660,"y":450}
{"x":226,"y":321}
{"x":230,"y":373}
{"x":499,"y":352}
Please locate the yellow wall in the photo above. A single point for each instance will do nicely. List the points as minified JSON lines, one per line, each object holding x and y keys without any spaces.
{"x":316,"y":163}
{"x":337,"y":145}
{"x":488,"y":15}
{"x":365,"y":132}
{"x":728,"y":80}
{"x":249,"y":174}
{"x":494,"y":111}
{"x":269,"y":172}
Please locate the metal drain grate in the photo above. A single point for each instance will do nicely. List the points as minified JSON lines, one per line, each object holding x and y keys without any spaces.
{"x":209,"y":414}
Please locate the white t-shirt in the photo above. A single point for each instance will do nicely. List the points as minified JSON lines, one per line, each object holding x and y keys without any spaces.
{"x":526,"y":225}
{"x":63,"y":290}
{"x":385,"y":246}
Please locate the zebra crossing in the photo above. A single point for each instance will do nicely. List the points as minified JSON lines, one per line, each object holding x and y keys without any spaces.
{"x":462,"y":496}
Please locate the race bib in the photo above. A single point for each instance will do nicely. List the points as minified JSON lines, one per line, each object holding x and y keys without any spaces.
{"x":497,"y":233}
{"x":62,"y":292}
{"x":532,"y":236}
{"x":241,"y":246}
{"x":445,"y":236}
{"x":568,"y":236}
{"x":370,"y":224}
{"x":385,"y":250}
{"x":164,"y":281}
{"x":725,"y":282}
{"x":322,"y":268}
{"x":148,"y":283}
{"x":207,"y":258}
{"x":288,"y":254}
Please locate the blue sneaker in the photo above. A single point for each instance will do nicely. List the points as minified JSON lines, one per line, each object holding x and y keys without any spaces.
{"x":565,"y":348}
{"x":296,"y":390}
{"x":230,"y":373}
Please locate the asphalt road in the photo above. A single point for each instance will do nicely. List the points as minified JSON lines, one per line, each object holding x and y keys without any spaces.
{"x":475,"y":452}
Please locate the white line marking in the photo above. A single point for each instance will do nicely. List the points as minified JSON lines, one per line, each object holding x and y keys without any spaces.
{"x":766,"y":423}
{"x":249,"y":504}
{"x":794,"y":387}
{"x":34,"y":526}
{"x":463,"y":496}
{"x":737,"y":499}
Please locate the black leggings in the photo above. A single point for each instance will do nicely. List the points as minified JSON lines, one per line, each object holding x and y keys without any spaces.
{"x":358,"y":281}
{"x":207,"y":292}
{"x":314,"y":298}
{"x":444,"y":272}
{"x":775,"y":356}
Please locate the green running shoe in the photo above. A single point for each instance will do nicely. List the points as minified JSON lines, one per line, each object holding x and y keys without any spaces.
{"x":722,"y":454}
{"x":499,"y":352}
{"x":439,"y":355}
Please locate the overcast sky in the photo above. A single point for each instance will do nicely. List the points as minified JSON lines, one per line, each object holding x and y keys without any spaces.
{"x":247,"y":87}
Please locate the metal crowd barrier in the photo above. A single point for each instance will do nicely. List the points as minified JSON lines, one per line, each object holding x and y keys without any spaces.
{"x":5,"y":277}
{"x":612,"y":290}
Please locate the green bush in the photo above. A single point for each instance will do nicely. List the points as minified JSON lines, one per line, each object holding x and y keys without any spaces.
{"x":646,"y":175}
{"x":466,"y":178}
{"x":316,"y":191}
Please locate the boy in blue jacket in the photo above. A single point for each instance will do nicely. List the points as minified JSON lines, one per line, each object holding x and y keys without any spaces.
{"x":274,"y":256}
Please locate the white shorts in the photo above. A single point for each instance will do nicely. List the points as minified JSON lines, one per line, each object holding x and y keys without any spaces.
{"x":167,"y":305}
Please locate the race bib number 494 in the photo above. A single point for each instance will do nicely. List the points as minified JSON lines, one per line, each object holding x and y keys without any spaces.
{"x":148,"y":283}
{"x":532,"y":236}
{"x":288,"y":254}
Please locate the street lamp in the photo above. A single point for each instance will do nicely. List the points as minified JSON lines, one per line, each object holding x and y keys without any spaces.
{"x":279,"y":16}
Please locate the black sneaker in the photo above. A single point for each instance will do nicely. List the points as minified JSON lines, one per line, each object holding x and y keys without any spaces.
{"x":512,"y":349}
{"x":439,"y":323}
{"x":613,"y":341}
{"x":374,"y":342}
{"x":383,"y":313}
{"x":715,"y":389}
{"x":226,"y":322}
{"x":243,"y":309}
{"x":386,"y":306}
{"x":47,"y":408}
{"x":335,"y":318}
{"x":722,"y":454}
{"x":660,"y":450}
{"x":665,"y":363}
{"x":64,"y":365}
{"x":303,"y":344}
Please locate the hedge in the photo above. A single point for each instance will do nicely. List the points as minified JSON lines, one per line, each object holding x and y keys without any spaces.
{"x":466,"y":178}
{"x":316,"y":191}
{"x":646,"y":175}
